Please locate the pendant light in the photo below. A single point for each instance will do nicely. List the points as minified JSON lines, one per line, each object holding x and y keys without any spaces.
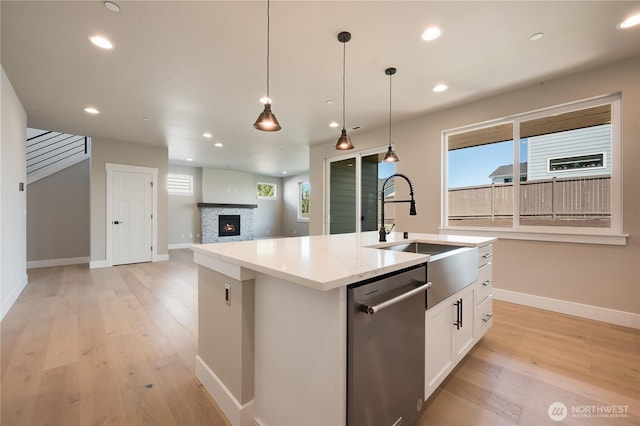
{"x":344,"y":141}
{"x":267,"y":121}
{"x":390,"y":156}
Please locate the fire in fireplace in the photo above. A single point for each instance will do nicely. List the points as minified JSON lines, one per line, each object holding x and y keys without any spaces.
{"x":228,"y":225}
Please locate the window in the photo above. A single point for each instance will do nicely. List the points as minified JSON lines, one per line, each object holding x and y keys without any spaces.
{"x":577,"y":162}
{"x":266,"y":191}
{"x":304,"y":191}
{"x":180,"y":184}
{"x":559,"y":178}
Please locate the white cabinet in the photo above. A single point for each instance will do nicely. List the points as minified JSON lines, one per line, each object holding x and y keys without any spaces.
{"x":448,"y":336}
{"x":454,"y":325}
{"x":483,"y":293}
{"x":463,"y":335}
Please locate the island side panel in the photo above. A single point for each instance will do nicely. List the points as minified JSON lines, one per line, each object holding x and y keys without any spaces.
{"x":226,"y":331}
{"x":300,"y":354}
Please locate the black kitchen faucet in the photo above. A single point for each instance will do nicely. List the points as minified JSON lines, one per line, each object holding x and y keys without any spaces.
{"x":412,"y":207}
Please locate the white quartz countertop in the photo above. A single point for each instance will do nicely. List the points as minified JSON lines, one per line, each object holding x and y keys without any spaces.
{"x":325,"y":262}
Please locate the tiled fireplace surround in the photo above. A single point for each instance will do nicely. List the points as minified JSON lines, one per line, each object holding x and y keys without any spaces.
{"x":209,"y":213}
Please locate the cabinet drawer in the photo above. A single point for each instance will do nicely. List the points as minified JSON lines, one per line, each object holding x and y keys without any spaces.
{"x":484,"y":317}
{"x":485,"y":253}
{"x":484,"y":287}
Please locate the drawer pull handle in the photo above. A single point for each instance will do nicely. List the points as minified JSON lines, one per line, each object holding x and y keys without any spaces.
{"x":487,"y":256}
{"x":487,"y":282}
{"x":487,"y":318}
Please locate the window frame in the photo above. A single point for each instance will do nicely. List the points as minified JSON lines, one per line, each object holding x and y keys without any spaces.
{"x":189,"y":178}
{"x":612,"y":235}
{"x":603,"y":166}
{"x":301,"y":185}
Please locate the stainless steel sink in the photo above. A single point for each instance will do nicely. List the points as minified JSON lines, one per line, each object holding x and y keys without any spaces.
{"x":423,"y":248}
{"x":450,"y":268}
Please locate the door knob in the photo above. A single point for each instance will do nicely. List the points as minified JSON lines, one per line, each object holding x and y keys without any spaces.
{"x":116,"y":222}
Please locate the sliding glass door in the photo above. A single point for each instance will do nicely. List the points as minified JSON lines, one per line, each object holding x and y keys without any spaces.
{"x":354,"y":191}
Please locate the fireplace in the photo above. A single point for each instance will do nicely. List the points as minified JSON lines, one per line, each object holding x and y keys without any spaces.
{"x":228,"y":225}
{"x":218,"y":220}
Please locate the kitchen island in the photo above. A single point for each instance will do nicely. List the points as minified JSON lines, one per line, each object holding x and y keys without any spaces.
{"x":272,"y":318}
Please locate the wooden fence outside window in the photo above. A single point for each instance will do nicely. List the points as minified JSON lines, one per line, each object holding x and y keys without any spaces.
{"x":581,"y":201}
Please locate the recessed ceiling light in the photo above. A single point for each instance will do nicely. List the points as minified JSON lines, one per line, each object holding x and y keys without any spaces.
{"x":112,"y":6}
{"x":145,"y":118}
{"x":536,"y":36}
{"x":218,"y":144}
{"x":284,"y":172}
{"x":334,"y":124}
{"x":431,"y":33}
{"x":207,"y":135}
{"x":101,"y":42}
{"x":189,"y":159}
{"x":631,"y":21}
{"x":440,"y":87}
{"x":329,"y":101}
{"x":91,"y":110}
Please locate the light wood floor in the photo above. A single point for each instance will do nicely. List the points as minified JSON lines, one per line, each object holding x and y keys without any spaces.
{"x":117,"y":346}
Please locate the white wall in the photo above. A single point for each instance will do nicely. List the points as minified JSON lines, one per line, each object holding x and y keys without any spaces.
{"x":233,"y":187}
{"x":58,"y":217}
{"x":599,"y":276}
{"x":184,"y":215}
{"x":13,"y":203}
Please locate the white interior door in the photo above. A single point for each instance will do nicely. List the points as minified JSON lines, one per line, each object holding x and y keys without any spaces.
{"x":131,"y":217}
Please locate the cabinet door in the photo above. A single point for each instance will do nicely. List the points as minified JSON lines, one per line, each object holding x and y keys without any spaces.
{"x":463,"y":323}
{"x":438,"y":354}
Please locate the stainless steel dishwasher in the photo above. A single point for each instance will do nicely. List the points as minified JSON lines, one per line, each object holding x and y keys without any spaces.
{"x":385,"y":350}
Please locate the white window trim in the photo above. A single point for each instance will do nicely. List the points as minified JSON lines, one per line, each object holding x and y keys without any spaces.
{"x":181,"y":176}
{"x":609,"y":236}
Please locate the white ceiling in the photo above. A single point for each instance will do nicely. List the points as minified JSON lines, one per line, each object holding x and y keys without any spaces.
{"x":195,"y":67}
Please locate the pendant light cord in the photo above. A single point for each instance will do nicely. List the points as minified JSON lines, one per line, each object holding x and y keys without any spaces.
{"x":390,"y":109}
{"x":344,"y":56}
{"x":268,"y":43}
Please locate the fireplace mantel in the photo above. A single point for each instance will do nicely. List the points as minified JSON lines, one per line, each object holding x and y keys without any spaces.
{"x":228,"y":206}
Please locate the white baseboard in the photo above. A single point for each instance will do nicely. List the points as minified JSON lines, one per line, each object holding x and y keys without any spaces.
{"x":612,"y":316}
{"x":238,"y":415}
{"x":11,"y":299}
{"x":57,"y":262}
{"x":94,"y":264}
{"x":182,"y":245}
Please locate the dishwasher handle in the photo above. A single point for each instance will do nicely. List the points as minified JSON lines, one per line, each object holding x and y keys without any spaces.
{"x":370,"y":310}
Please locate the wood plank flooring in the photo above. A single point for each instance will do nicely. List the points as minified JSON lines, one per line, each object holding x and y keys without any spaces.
{"x":117,"y":346}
